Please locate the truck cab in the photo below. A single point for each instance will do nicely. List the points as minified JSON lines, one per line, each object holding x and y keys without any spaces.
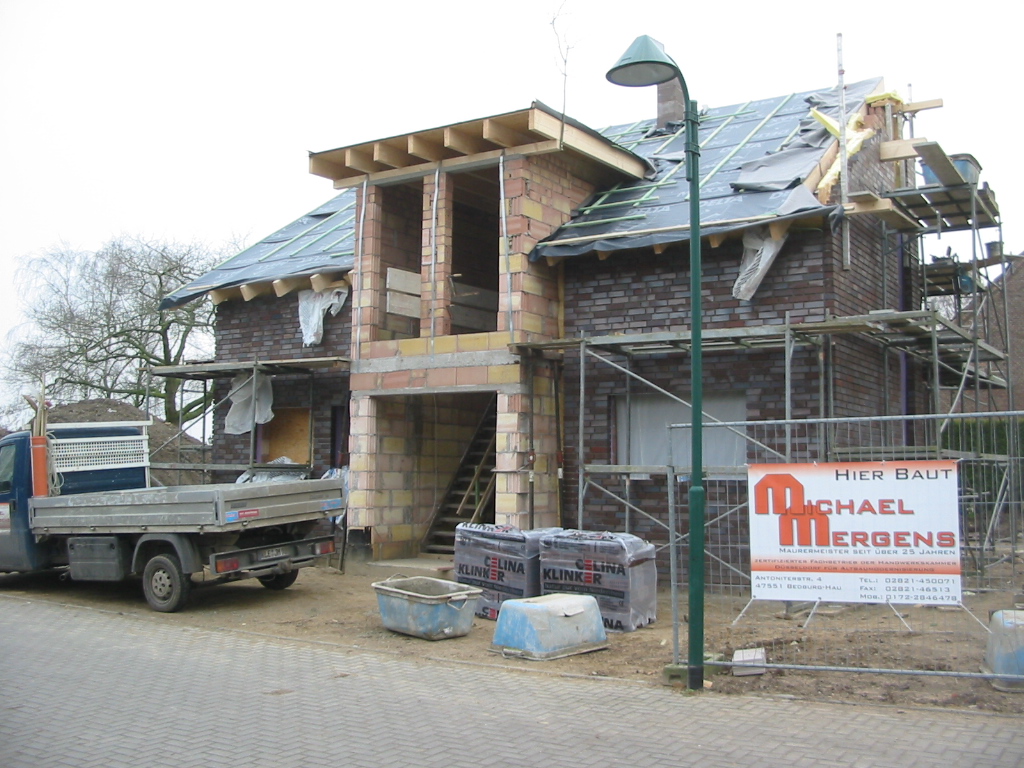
{"x":126,"y":467}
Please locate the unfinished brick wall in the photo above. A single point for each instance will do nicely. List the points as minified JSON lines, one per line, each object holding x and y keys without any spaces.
{"x":416,"y":443}
{"x":267,"y":328}
{"x":541,"y":191}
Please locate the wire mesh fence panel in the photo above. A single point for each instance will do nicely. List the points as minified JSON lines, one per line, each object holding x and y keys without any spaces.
{"x":898,"y":632}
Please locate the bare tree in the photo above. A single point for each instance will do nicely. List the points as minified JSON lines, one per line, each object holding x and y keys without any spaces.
{"x":93,"y":324}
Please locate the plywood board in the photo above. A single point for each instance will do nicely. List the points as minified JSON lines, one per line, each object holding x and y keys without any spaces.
{"x":287,"y":434}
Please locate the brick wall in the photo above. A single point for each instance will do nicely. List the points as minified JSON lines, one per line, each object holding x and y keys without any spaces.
{"x":640,"y":292}
{"x":267,"y":328}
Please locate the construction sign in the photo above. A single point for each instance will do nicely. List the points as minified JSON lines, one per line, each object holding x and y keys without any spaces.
{"x":864,"y":532}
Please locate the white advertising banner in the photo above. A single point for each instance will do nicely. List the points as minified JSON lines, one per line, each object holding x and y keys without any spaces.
{"x":859,"y":532}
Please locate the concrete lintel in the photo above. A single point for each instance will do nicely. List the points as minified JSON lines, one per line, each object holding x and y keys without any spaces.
{"x":423,"y":362}
{"x":501,"y":389}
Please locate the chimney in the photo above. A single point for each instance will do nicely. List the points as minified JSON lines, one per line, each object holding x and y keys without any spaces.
{"x":671,"y":108}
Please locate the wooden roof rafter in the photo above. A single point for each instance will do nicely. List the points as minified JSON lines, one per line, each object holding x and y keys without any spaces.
{"x":462,"y":146}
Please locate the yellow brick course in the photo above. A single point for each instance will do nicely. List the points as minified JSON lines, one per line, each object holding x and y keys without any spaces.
{"x":503,"y":374}
{"x":392,"y":445}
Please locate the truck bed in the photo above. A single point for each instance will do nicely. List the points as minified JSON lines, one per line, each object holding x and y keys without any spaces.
{"x":198,"y":508}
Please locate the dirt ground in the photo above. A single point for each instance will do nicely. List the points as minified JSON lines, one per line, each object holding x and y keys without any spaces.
{"x":327,"y":605}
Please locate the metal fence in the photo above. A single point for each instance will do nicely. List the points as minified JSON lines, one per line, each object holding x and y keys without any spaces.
{"x":868,"y":637}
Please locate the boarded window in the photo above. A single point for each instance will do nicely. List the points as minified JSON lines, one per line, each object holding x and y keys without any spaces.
{"x":287,"y":434}
{"x":643,"y":435}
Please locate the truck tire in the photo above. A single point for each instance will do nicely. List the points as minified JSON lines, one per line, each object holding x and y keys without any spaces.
{"x":165,"y":585}
{"x":279,"y":580}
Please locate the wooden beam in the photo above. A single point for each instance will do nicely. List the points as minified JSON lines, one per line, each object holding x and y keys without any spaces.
{"x":285,"y":285}
{"x":251,"y":290}
{"x":362,"y":161}
{"x":918,"y":106}
{"x":502,"y":135}
{"x":464,"y":142}
{"x":451,"y":165}
{"x":326,"y":281}
{"x":403,"y":304}
{"x":938,"y":161}
{"x":404,"y":281}
{"x":778,"y":229}
{"x":886,"y":210}
{"x":899,"y":149}
{"x":424,"y":149}
{"x":329,"y":169}
{"x":470,"y":296}
{"x":220,"y":295}
{"x":393,"y":157}
{"x":597,"y":149}
{"x":864,"y":196}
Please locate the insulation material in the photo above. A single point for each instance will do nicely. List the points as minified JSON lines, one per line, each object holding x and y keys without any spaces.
{"x":252,"y":398}
{"x":856,"y":136}
{"x":618,"y":569}
{"x":502,"y":560}
{"x":313,"y":308}
{"x":759,"y":252}
{"x":272,"y":475}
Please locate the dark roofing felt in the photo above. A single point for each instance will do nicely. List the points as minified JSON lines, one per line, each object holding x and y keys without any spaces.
{"x":753,"y":160}
{"x":754,"y":157}
{"x":321,"y":241}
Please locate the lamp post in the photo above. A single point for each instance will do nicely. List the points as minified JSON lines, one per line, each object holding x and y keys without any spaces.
{"x":646,"y":63}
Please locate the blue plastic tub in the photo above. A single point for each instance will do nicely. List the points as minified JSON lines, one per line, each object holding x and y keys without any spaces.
{"x":968,"y":167}
{"x":549,"y":627}
{"x":433,"y":609}
{"x":1005,"y":652}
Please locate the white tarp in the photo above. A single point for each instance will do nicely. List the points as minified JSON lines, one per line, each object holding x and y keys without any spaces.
{"x":759,"y":252}
{"x":245,"y":404}
{"x":313,"y":307}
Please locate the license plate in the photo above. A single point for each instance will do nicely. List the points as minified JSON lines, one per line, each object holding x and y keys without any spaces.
{"x":270,"y":554}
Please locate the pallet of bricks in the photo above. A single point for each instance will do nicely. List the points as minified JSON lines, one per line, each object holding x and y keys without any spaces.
{"x":617,"y":569}
{"x":502,"y":560}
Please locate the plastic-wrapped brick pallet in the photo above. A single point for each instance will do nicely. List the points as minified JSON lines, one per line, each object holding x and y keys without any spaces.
{"x":616,"y":568}
{"x":502,"y":560}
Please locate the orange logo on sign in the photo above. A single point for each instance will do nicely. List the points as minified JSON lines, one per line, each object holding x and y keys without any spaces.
{"x":800,"y":524}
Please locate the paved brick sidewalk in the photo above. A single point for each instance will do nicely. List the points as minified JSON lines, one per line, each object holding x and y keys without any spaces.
{"x":81,"y":687}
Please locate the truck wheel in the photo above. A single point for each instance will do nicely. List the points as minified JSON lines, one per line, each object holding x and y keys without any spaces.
{"x":165,"y":586}
{"x":279,"y":580}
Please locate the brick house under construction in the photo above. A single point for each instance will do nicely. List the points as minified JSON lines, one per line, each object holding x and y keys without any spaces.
{"x":480,"y":263}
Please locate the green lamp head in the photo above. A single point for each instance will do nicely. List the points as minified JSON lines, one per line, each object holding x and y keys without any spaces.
{"x":644,"y":63}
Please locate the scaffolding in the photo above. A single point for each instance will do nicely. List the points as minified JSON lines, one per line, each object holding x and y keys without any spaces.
{"x":207,"y":372}
{"x":963,"y":347}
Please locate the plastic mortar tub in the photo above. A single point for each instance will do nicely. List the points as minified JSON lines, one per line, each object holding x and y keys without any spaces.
{"x":433,"y":609}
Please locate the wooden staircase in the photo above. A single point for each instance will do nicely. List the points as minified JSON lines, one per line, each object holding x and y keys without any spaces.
{"x":469,"y":497}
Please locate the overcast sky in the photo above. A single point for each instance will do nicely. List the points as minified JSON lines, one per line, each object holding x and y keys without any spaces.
{"x":192,"y":120}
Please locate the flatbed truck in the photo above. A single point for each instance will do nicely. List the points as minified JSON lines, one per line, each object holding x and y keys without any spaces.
{"x":76,"y":499}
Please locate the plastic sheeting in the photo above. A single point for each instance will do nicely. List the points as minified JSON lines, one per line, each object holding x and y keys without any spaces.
{"x":754,"y":159}
{"x":313,"y":307}
{"x":618,"y":569}
{"x":759,"y":252}
{"x":504,"y":561}
{"x":252,"y":400}
{"x":272,"y":475}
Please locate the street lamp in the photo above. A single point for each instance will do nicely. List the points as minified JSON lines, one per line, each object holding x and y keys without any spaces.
{"x":646,"y":63}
